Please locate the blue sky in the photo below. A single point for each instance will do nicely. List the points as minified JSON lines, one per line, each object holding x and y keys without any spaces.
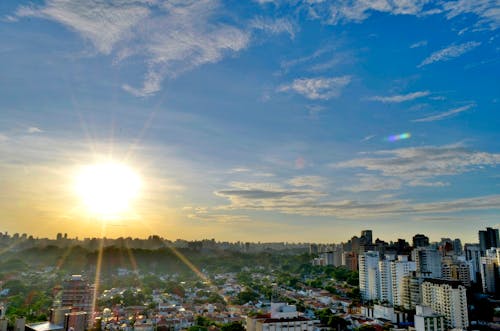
{"x":256,"y":120}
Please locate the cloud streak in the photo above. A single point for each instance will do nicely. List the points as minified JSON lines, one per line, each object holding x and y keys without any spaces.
{"x":449,"y":52}
{"x":401,"y":97}
{"x":445,"y":115}
{"x":319,"y":88}
{"x":314,"y":203}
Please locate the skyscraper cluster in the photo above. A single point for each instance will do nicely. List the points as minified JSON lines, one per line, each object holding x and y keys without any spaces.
{"x":435,"y":275}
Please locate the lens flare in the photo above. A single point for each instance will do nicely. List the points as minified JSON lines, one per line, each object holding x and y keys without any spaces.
{"x":397,"y":137}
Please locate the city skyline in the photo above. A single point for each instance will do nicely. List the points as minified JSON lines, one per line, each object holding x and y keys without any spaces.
{"x":262,"y":121}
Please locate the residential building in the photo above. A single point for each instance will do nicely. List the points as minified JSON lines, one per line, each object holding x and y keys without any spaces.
{"x":427,"y":320}
{"x":488,"y":239}
{"x":448,"y":298}
{"x":369,"y":276}
{"x":428,"y":261}
{"x":490,"y":270}
{"x":400,"y":268}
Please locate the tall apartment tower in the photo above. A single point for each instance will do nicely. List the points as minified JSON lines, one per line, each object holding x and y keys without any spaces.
{"x":490,"y":270}
{"x":420,"y":240}
{"x":77,"y":294}
{"x":369,"y":276}
{"x":447,"y":298}
{"x":368,"y":235}
{"x":488,"y":239}
{"x":411,"y":291}
{"x":473,"y":257}
{"x":399,"y":269}
{"x":428,"y":261}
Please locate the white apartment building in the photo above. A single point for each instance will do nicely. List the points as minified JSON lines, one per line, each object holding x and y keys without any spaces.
{"x":447,"y":298}
{"x":369,"y":276}
{"x":400,"y":268}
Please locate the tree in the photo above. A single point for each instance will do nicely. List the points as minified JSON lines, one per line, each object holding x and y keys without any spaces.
{"x":234,"y":326}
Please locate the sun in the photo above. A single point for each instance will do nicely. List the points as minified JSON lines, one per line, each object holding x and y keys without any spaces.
{"x":107,"y":189}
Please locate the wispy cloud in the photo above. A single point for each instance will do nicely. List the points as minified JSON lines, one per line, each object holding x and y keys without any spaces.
{"x":445,"y":115}
{"x":307,"y":181}
{"x":373,"y":183}
{"x":449,"y":52}
{"x":314,"y":203}
{"x":418,"y":44}
{"x":415,"y":163}
{"x":401,"y":97}
{"x":357,"y":11}
{"x":178,"y":36}
{"x":275,"y":26}
{"x":370,"y":137}
{"x":322,"y":88}
{"x":486,"y":10}
{"x":209,"y":215}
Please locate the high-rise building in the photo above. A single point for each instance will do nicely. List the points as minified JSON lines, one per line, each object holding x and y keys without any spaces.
{"x":400,"y":268}
{"x":428,"y":261}
{"x":369,"y":276}
{"x":447,"y":298}
{"x":385,"y":281}
{"x":473,"y":257}
{"x":410,"y":291}
{"x":457,"y":246}
{"x":77,"y":294}
{"x":368,"y":236}
{"x":420,"y":240}
{"x":487,"y":239}
{"x":490,"y":270}
{"x":453,"y":268}
{"x":350,"y":260}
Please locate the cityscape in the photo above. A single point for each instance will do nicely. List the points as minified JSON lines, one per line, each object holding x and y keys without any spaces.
{"x":249,"y":165}
{"x":156,"y":284}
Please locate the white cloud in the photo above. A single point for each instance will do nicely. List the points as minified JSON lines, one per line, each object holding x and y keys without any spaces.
{"x":401,"y":97}
{"x":421,"y":43}
{"x":277,"y":26}
{"x":444,"y":115}
{"x":103,"y":23}
{"x":449,"y":52}
{"x":488,"y":11}
{"x":322,"y":88}
{"x":421,"y":163}
{"x":314,"y":203}
{"x":367,"y":138}
{"x":34,"y":129}
{"x":358,"y":10}
{"x":178,"y":36}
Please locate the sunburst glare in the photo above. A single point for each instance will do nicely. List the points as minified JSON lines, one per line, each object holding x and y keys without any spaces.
{"x":107,"y":189}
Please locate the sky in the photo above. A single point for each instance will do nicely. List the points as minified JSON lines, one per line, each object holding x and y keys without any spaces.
{"x":269,"y":120}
